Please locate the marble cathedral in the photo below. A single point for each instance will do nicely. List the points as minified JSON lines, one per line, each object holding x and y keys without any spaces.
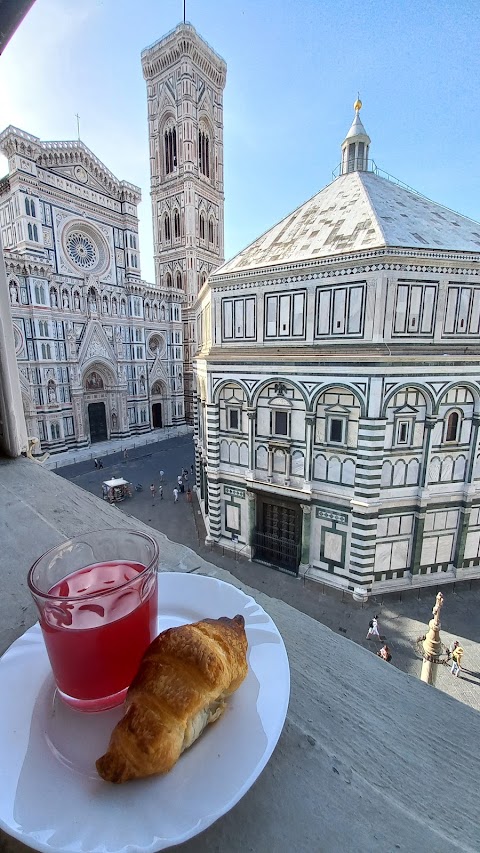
{"x":338,"y":393}
{"x":99,"y":350}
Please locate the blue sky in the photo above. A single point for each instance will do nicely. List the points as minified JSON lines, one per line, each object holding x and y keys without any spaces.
{"x":294,"y":68}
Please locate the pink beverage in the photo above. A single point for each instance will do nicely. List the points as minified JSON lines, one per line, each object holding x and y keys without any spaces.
{"x":97,"y":624}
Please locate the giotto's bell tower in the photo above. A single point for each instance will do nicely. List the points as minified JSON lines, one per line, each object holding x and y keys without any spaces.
{"x":185,"y":82}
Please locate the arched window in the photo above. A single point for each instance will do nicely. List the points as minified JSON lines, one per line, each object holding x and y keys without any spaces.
{"x":176,"y":224}
{"x":167,"y":226}
{"x":114,"y":306}
{"x":202,"y":227}
{"x":32,"y":208}
{"x":204,"y":153}
{"x":123,"y":307}
{"x":170,"y":144}
{"x":35,"y":233}
{"x":147,"y":310}
{"x":40,"y":294}
{"x":452,"y":430}
{"x":27,"y":206}
{"x":30,"y":232}
{"x":169,"y":280}
{"x":155,"y":312}
{"x":55,"y":431}
{"x":105,"y":305}
{"x":179,"y":281}
{"x":210,"y":230}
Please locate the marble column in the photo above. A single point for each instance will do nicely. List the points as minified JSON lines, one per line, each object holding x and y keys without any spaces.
{"x":252,"y":416}
{"x":310,"y":419}
{"x":306,"y":527}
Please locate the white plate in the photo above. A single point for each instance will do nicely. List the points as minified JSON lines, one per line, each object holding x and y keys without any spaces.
{"x":50,"y":795}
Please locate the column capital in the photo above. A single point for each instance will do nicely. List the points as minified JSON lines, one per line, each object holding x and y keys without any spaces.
{"x":251,"y":414}
{"x":306,"y":509}
{"x":310,"y":418}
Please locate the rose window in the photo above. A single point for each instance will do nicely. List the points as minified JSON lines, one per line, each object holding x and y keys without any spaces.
{"x":81,"y":250}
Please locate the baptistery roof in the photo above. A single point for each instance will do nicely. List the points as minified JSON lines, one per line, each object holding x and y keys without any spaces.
{"x":358,"y":211}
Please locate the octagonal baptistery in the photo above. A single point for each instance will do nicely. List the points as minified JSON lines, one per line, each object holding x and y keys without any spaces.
{"x":338,"y":390}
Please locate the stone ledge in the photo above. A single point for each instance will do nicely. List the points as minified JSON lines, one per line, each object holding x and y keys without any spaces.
{"x":364,"y":762}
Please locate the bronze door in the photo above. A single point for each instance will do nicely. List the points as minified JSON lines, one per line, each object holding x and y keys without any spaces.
{"x":98,"y":422}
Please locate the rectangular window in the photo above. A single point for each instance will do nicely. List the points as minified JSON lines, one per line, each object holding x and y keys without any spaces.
{"x":403,"y":432}
{"x":285,"y":315}
{"x":234,"y":419}
{"x":238,"y":318}
{"x":415,"y":309}
{"x":336,"y":430}
{"x":280,"y":421}
{"x":340,"y":310}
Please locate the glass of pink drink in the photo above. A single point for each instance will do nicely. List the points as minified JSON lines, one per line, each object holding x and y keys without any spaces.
{"x":97,"y":599}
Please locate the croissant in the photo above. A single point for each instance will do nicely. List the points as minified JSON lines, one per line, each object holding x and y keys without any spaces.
{"x":181,"y":686}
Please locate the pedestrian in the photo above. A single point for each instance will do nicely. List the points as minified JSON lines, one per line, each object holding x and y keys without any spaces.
{"x":162,"y":474}
{"x":373,"y":629}
{"x":152,"y":491}
{"x":95,"y":462}
{"x":160,"y":492}
{"x":180,"y":483}
{"x":125,"y":454}
{"x":457,"y":655}
{"x":100,"y":463}
{"x":384,"y":653}
{"x":191,"y":470}
{"x":175,"y":495}
{"x":189,"y":495}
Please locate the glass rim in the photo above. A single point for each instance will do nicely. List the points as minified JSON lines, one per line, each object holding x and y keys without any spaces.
{"x":46,"y":595}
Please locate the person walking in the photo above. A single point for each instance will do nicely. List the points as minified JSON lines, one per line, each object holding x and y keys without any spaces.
{"x":457,"y":655}
{"x":100,"y":463}
{"x":180,"y":483}
{"x":152,"y":491}
{"x":373,"y":629}
{"x":191,"y":470}
{"x":162,"y":474}
{"x":95,"y":462}
{"x":175,"y":495}
{"x":160,"y":492}
{"x":125,"y":454}
{"x":384,"y":653}
{"x":189,"y":495}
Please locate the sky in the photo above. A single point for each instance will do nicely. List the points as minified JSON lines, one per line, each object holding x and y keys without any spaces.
{"x":294,"y":68}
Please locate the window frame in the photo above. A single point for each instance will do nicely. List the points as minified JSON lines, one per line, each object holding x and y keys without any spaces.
{"x":237,"y":410}
{"x":274,"y":413}
{"x":458,"y":432}
{"x":343,"y":420}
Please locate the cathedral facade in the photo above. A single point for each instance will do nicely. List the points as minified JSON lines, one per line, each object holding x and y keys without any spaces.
{"x":185,"y":80}
{"x":99,"y":350}
{"x":338,"y":396}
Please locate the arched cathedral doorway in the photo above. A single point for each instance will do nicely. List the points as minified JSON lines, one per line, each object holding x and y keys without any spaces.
{"x":157,"y":422}
{"x":97,"y":420}
{"x":158,"y":403}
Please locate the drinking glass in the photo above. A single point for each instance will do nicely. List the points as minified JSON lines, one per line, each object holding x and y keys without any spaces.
{"x":96,"y":595}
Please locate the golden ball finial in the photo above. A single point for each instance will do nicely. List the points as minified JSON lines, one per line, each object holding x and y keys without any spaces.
{"x":357,"y":105}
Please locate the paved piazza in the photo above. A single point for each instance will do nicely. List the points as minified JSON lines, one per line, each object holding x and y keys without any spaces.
{"x":403,"y":618}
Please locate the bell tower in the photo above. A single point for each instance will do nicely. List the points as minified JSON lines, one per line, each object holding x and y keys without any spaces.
{"x":185,"y":81}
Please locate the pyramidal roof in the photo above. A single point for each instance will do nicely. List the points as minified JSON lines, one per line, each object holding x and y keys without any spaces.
{"x":356,"y":212}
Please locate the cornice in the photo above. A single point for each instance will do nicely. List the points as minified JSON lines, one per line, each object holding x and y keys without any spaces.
{"x":16,"y":264}
{"x":216,"y":284}
{"x":184,"y":41}
{"x":63,"y":153}
{"x":349,"y":264}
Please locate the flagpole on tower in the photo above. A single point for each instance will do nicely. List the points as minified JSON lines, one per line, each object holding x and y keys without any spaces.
{"x":184,"y":11}
{"x":78,"y":125}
